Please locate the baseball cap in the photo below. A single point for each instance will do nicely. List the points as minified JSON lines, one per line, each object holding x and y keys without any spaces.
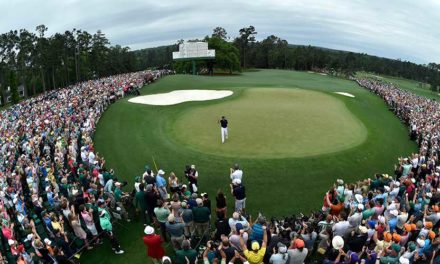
{"x":255,"y":245}
{"x":299,"y":243}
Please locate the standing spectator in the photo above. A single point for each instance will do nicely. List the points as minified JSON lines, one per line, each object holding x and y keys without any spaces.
{"x":187,"y":218}
{"x":239,"y":193}
{"x":87,"y":216}
{"x":153,"y":243}
{"x":281,"y":256}
{"x":176,"y":231}
{"x":192,"y":175}
{"x":173,"y":182}
{"x":161,"y":185}
{"x":297,"y":252}
{"x":140,"y":202}
{"x":106,"y":225}
{"x":236,"y":173}
{"x":151,"y":198}
{"x":186,"y":255}
{"x":221,"y":205}
{"x":201,"y":218}
{"x":209,"y":246}
{"x":79,"y":232}
{"x":221,"y":226}
{"x":162,"y":212}
{"x":257,"y":254}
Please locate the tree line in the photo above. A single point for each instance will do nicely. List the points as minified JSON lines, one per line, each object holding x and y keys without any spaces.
{"x":276,"y":53}
{"x":40,"y":62}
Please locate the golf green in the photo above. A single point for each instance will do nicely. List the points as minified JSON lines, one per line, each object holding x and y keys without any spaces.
{"x":271,"y":123}
{"x":128,"y":136}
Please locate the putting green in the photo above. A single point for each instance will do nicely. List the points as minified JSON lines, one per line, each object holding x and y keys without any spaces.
{"x":271,"y":123}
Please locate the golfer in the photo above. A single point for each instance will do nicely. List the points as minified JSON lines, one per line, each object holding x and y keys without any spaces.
{"x":224,"y":128}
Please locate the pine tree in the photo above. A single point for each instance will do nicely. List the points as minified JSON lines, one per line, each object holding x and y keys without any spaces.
{"x":13,"y":86}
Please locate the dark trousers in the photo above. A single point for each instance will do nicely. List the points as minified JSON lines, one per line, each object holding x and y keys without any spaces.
{"x":163,"y":230}
{"x":144,"y":216}
{"x":151,"y":215}
{"x":113,"y":240}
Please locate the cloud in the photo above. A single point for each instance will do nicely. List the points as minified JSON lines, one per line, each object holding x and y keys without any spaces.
{"x":403,"y":29}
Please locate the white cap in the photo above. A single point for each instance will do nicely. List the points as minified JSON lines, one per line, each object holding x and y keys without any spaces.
{"x":429,"y":194}
{"x":387,"y":188}
{"x":360,"y":206}
{"x":47,"y":241}
{"x":421,"y":242}
{"x":359,"y":198}
{"x":11,"y":242}
{"x":165,"y":258}
{"x":149,"y":230}
{"x":338,"y":242}
{"x":403,"y":260}
{"x":363,"y":229}
{"x":160,"y":172}
{"x":29,"y":237}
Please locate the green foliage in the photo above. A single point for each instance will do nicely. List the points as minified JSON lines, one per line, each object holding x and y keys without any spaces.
{"x":43,"y":62}
{"x":219,"y":32}
{"x":154,"y":57}
{"x":13,"y":86}
{"x":226,"y":54}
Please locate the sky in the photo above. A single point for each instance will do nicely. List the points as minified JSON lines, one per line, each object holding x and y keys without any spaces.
{"x":397,"y":29}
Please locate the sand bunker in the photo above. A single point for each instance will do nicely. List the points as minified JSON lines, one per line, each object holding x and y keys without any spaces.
{"x":180,"y":96}
{"x":345,"y":94}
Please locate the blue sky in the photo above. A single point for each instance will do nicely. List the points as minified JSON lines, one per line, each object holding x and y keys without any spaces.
{"x":409,"y":30}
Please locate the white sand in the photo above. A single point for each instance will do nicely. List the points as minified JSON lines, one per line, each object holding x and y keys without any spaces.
{"x":180,"y":96}
{"x":345,"y":94}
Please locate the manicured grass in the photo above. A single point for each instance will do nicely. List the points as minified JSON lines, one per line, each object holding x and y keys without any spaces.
{"x":128,"y":135}
{"x":271,"y":123}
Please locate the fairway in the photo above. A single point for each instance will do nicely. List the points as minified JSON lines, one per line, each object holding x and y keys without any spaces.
{"x":271,"y":123}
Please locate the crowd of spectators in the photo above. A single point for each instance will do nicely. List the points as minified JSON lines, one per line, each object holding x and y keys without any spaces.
{"x":383,"y":219}
{"x":59,"y":197}
{"x":56,"y":195}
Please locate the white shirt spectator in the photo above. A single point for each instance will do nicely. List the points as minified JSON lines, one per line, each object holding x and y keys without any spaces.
{"x":91,"y":157}
{"x":237,"y":174}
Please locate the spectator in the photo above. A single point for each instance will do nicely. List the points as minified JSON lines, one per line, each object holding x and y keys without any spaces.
{"x":201,"y":219}
{"x":236,"y":173}
{"x":257,"y":254}
{"x":153,"y":243}
{"x":162,"y":212}
{"x":239,"y":193}
{"x":176,"y":231}
{"x":186,"y":255}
